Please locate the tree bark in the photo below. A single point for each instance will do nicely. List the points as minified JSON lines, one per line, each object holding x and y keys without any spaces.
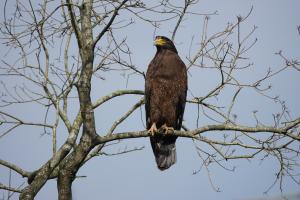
{"x":64,"y":185}
{"x":75,"y":159}
{"x":70,"y":168}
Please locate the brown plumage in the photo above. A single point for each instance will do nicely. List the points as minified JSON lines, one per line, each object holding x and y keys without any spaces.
{"x":165,"y":96}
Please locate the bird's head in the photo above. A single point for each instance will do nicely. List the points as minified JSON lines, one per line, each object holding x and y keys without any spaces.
{"x":162,"y":42}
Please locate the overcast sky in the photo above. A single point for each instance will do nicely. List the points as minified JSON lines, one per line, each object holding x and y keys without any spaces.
{"x":135,"y":175}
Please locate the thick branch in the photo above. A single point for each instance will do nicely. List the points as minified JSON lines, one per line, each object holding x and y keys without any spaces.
{"x":15,"y":168}
{"x":42,"y":175}
{"x":196,"y":133}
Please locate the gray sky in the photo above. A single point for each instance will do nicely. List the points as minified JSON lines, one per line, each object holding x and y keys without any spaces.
{"x":135,"y":175}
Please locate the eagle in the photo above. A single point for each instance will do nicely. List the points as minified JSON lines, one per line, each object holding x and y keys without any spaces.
{"x":165,"y":97}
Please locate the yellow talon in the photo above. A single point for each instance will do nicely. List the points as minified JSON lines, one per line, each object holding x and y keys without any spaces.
{"x":166,"y":129}
{"x":152,"y":130}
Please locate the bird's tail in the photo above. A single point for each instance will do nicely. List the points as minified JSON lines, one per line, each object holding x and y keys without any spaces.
{"x":164,"y":152}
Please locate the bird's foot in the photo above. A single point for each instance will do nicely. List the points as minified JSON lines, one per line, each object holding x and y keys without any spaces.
{"x":152,"y":130}
{"x":166,"y":129}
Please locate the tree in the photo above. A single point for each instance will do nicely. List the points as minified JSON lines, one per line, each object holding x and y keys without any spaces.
{"x":91,"y":43}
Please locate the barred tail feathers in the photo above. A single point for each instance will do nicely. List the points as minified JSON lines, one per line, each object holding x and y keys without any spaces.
{"x":164,"y":151}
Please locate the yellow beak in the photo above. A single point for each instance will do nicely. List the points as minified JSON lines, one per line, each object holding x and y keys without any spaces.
{"x":159,"y":42}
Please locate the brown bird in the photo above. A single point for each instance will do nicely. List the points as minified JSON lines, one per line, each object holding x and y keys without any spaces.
{"x":165,"y":96}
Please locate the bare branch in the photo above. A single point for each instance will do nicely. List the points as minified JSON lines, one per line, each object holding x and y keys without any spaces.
{"x":4,"y":187}
{"x":74,"y":23}
{"x":197,"y":132}
{"x":105,"y":29}
{"x":115,"y":94}
{"x":15,"y":168}
{"x":122,"y":151}
{"x":187,"y":3}
{"x":127,"y":114}
{"x":59,"y":78}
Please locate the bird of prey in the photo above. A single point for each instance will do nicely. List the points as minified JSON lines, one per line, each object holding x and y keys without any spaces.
{"x":165,"y":97}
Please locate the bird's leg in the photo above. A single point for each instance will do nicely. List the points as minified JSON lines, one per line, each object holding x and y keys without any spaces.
{"x":166,"y":129}
{"x":153,"y":129}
